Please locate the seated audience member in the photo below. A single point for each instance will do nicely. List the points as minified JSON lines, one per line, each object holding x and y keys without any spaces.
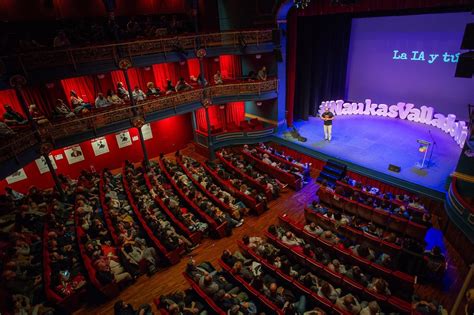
{"x":61,"y":40}
{"x":262,"y":74}
{"x":313,"y":228}
{"x":327,"y":290}
{"x":13,"y":195}
{"x":122,"y":308}
{"x":379,"y":285}
{"x":61,"y":110}
{"x":152,"y":90}
{"x":169,"y":87}
{"x":5,"y":131}
{"x":113,"y":98}
{"x":435,"y":260}
{"x":122,"y":91}
{"x":252,"y":76}
{"x":363,"y":251}
{"x":78,"y":103}
{"x":101,"y":101}
{"x":138,"y":94}
{"x":182,"y":85}
{"x":13,"y":118}
{"x":372,"y":308}
{"x":218,"y":78}
{"x":201,"y":80}
{"x":37,"y":115}
{"x":348,"y":303}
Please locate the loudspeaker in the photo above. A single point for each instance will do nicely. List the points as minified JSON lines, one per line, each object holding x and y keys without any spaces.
{"x":465,"y":66}
{"x":278,"y":55}
{"x":394,"y":168}
{"x":468,"y":39}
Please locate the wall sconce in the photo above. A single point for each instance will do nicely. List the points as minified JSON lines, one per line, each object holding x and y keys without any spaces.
{"x":50,"y":85}
{"x":100,"y":76}
{"x":258,"y":103}
{"x":258,"y":56}
{"x":147,"y":68}
{"x":216,"y":59}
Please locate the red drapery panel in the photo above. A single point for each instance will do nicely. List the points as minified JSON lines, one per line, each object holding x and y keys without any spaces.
{"x":231,"y":66}
{"x":211,"y":65}
{"x":53,"y":92}
{"x":37,"y":95}
{"x":235,"y":112}
{"x":194,"y":68}
{"x":221,"y":116}
{"x":9,"y":97}
{"x":163,"y":72}
{"x":136,"y":76}
{"x":84,"y":87}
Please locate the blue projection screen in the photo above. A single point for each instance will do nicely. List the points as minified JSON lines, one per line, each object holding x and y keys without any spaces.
{"x":409,"y":59}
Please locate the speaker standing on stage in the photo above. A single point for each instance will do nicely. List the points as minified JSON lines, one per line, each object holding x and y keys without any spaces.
{"x":327,"y":116}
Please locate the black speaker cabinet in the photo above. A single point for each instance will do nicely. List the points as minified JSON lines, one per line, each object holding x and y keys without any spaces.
{"x":394,"y":168}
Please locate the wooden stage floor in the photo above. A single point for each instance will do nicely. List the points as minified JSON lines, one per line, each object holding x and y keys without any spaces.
{"x":145,"y":289}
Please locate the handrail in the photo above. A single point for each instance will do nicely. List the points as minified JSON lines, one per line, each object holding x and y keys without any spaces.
{"x":458,"y":196}
{"x":79,"y":55}
{"x":105,"y":117}
{"x":19,"y":143}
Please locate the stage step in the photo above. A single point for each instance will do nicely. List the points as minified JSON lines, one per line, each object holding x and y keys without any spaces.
{"x":332,"y":172}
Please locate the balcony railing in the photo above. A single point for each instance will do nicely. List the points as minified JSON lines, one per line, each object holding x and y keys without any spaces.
{"x":76,"y":56}
{"x":17,"y":144}
{"x":108,"y":116}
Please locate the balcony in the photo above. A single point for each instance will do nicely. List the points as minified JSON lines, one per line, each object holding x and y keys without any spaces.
{"x":102,"y":58}
{"x":109,"y":120}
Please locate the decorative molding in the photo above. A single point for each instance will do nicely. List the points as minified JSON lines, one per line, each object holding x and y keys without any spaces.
{"x":463,"y":177}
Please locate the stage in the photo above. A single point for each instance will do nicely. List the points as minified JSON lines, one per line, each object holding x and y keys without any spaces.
{"x":369,"y":144}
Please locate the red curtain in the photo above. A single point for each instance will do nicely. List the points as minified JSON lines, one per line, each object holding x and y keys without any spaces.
{"x":53,"y":92}
{"x":84,"y":87}
{"x":211,"y":65}
{"x":220,"y":116}
{"x":194,"y":68}
{"x":37,"y":95}
{"x":9,"y":97}
{"x":231,"y":66}
{"x":163,"y":72}
{"x":235,"y":112}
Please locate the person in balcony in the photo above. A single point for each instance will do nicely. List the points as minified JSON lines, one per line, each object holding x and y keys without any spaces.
{"x":113,"y":98}
{"x":61,"y":40}
{"x":80,"y":107}
{"x":5,"y":131}
{"x":218,"y":78}
{"x":262,"y":74}
{"x":13,"y":118}
{"x":182,"y":85}
{"x":101,"y":101}
{"x":61,"y":110}
{"x":201,"y":80}
{"x":169,"y":87}
{"x":122,"y":91}
{"x":152,"y":90}
{"x":37,"y":115}
{"x":138,"y":94}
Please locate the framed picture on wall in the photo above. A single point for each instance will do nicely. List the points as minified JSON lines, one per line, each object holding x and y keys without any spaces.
{"x":123,"y":139}
{"x":42,"y":166}
{"x":74,"y":154}
{"x":100,"y":146}
{"x":16,"y":177}
{"x":146,"y":131}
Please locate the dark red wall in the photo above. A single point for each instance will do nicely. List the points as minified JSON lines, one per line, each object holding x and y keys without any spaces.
{"x":169,"y":135}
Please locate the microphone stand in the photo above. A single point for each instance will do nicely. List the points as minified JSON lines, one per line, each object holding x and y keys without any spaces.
{"x":432,"y":149}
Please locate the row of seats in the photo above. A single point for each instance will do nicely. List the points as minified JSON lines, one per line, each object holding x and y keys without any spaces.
{"x":293,"y":181}
{"x":392,"y":222}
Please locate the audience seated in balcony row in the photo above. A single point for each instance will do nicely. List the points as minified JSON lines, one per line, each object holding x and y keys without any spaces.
{"x":94,"y":31}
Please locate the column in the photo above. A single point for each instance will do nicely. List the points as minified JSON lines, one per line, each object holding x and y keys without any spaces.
{"x":138,"y":122}
{"x":57,"y":183}
{"x":209,"y":136}
{"x":193,"y":121}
